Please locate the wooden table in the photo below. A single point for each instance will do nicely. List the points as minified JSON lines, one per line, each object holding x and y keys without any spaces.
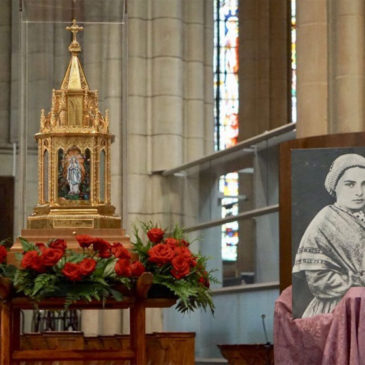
{"x":137,"y":304}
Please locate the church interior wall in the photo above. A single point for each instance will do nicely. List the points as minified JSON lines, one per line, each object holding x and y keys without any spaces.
{"x":166,"y":53}
{"x":224,"y":328}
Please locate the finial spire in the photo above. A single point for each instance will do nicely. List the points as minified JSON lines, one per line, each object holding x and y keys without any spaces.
{"x":74,"y":78}
{"x":74,"y":47}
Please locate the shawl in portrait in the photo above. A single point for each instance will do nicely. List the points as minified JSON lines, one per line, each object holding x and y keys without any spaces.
{"x":331,"y":257}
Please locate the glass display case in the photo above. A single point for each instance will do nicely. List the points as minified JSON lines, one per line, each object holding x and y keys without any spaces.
{"x":41,"y":55}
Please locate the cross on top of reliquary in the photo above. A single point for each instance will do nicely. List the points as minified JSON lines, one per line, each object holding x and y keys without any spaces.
{"x":74,"y":28}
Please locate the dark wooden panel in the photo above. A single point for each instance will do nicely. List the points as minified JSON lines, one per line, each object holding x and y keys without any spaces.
{"x":57,"y":354}
{"x":6,"y":207}
{"x":334,"y":140}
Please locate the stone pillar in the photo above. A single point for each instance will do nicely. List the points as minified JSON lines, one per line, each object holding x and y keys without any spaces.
{"x":169,"y":96}
{"x":170,"y":103}
{"x":263,"y":66}
{"x":312,"y":68}
{"x":346,"y":52}
{"x":195,"y":79}
{"x":330,"y":54}
{"x":208,"y":78}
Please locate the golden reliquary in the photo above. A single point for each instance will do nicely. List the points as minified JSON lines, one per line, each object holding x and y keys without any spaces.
{"x":74,"y":156}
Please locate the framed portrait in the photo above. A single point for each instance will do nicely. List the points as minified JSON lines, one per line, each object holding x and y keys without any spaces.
{"x":322,"y":220}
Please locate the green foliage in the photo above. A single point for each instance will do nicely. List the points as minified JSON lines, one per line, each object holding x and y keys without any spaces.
{"x":191,"y":293}
{"x":27,"y":246}
{"x":7,"y":242}
{"x":24,"y":282}
{"x":7,"y":271}
{"x":185,"y":277}
{"x":139,"y":247}
{"x":44,"y":283}
{"x":99,"y":285}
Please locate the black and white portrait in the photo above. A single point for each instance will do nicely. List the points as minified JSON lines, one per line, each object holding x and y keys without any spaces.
{"x":328,"y":227}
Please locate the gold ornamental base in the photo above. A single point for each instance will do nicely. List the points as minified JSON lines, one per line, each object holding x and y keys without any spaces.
{"x":90,"y":218}
{"x":76,"y":221}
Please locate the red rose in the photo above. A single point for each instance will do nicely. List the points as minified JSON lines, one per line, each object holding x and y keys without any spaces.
{"x":84,"y":240}
{"x":51,"y":256}
{"x":103,"y":247}
{"x":72,"y":271}
{"x":155,"y":235}
{"x":137,"y":268}
{"x":184,"y":243}
{"x":123,"y":268}
{"x":161,"y":254}
{"x":41,"y":246}
{"x":120,"y":251}
{"x":100,"y":244}
{"x":37,"y":264}
{"x":87,"y":266}
{"x":204,"y":281}
{"x":32,"y":260}
{"x":173,"y":242}
{"x":27,"y":258}
{"x":180,"y":266}
{"x":3,"y":254}
{"x":59,"y":245}
{"x":184,"y":251}
{"x":105,"y":253}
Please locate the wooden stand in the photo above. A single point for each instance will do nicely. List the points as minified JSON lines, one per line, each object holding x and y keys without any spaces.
{"x":248,"y":354}
{"x":11,"y":354}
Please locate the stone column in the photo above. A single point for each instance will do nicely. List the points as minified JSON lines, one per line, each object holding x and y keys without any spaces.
{"x":208,"y":77}
{"x":194,"y":89}
{"x":330,"y":54}
{"x":346,"y":52}
{"x":169,"y":104}
{"x":312,"y":66}
{"x":263,"y":66}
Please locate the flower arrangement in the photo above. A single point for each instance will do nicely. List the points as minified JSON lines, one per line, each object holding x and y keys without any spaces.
{"x":175,"y":267}
{"x":100,"y":269}
{"x":51,"y":270}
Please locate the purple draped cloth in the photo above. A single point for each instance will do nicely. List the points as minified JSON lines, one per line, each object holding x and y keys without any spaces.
{"x":336,"y":338}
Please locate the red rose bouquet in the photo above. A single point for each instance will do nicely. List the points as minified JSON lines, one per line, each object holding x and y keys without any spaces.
{"x":173,"y":265}
{"x":51,"y":270}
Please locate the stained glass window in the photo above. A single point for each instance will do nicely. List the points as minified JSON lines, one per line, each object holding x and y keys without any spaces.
{"x":226,"y":64}
{"x":293,"y":63}
{"x":228,"y":187}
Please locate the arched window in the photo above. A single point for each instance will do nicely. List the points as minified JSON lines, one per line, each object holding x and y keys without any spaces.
{"x":293,"y":62}
{"x":45,"y":176}
{"x":226,"y":65}
{"x":85,"y":185}
{"x":62,"y":183}
{"x":102,"y":176}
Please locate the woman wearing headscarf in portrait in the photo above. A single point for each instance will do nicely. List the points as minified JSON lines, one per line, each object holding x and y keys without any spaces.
{"x":331,"y":254}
